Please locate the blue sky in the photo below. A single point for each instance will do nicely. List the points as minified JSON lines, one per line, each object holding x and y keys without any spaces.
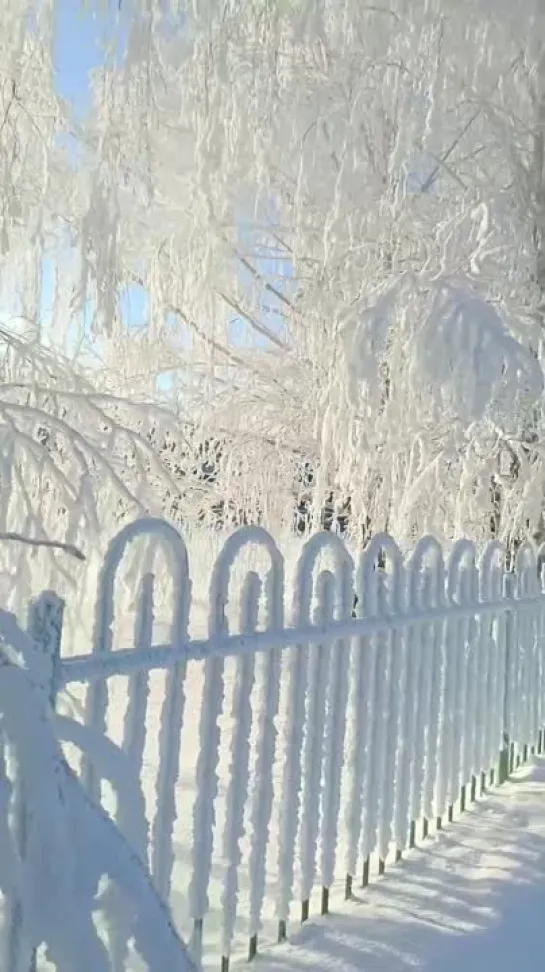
{"x":76,"y":52}
{"x":78,"y":49}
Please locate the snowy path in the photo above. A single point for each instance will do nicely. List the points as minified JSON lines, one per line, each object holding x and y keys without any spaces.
{"x":472,"y":900}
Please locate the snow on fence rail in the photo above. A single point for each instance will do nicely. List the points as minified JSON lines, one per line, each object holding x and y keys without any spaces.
{"x":389,"y":695}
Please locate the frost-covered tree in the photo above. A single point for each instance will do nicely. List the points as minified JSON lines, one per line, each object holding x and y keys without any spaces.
{"x":309,"y":193}
{"x":75,"y":452}
{"x":297,"y":163}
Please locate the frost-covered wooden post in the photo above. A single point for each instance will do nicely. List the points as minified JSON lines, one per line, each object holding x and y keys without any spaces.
{"x":44,"y":626}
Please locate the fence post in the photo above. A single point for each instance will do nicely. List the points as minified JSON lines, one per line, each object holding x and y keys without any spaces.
{"x":44,"y":626}
{"x":45,"y":619}
{"x":505,"y":752}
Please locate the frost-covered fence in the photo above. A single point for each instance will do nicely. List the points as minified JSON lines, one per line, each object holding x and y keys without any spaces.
{"x":366,"y":705}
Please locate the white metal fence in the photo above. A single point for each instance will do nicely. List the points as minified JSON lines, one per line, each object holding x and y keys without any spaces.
{"x":386,"y":701}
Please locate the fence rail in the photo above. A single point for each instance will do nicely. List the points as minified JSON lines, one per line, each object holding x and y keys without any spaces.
{"x":92,"y":668}
{"x":400,"y":688}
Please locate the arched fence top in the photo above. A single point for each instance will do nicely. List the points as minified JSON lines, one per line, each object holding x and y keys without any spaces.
{"x":462,"y":572}
{"x":382,"y":546}
{"x":492,"y":571}
{"x":318,"y":544}
{"x":388,"y":582}
{"x":221,"y":576}
{"x":525,"y":557}
{"x":176,"y":553}
{"x":385,"y":545}
{"x":428,"y":549}
{"x":526,"y":576}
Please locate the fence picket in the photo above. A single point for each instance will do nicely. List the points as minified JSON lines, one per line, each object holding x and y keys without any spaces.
{"x":314,"y":741}
{"x":238,"y":771}
{"x":395,"y":693}
{"x":134,"y":738}
{"x":266,"y":748}
{"x":334,"y":744}
{"x":358,"y":756}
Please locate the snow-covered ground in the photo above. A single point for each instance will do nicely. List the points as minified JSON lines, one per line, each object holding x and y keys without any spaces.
{"x":472,"y":900}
